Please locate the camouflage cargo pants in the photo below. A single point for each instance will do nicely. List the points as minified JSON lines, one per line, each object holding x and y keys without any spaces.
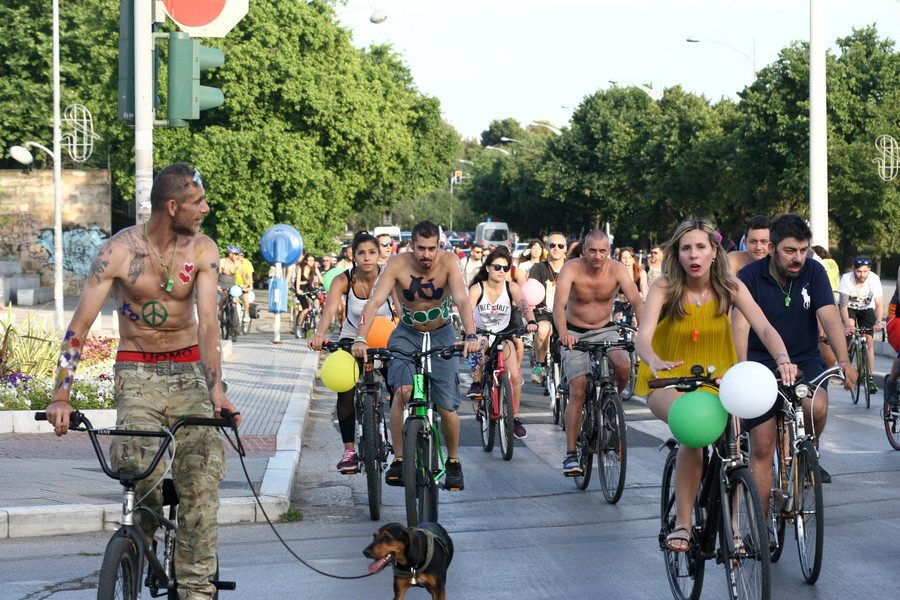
{"x":144,"y":396}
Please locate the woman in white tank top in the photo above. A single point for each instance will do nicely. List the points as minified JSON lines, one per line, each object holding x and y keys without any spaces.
{"x":493,"y":298}
{"x":356,"y":286}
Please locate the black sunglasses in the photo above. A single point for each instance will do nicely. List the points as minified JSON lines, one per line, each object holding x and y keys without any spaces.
{"x":862,"y":261}
{"x":551,"y":245}
{"x":496,"y":267}
{"x":386,"y":244}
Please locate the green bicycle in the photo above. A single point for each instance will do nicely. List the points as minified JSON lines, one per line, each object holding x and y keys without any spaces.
{"x":423,"y":459}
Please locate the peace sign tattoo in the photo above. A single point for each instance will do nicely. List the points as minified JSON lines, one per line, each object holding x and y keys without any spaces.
{"x":154,"y":314}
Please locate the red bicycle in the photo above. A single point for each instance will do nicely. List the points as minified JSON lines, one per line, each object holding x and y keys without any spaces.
{"x":495,"y":406}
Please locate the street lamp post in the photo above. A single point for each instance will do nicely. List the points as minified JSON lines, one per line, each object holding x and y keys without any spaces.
{"x":654,"y":95}
{"x":695,"y":40}
{"x":818,"y":131}
{"x":25,"y":157}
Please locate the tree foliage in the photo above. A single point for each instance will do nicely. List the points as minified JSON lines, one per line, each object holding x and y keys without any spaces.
{"x":312,"y":128}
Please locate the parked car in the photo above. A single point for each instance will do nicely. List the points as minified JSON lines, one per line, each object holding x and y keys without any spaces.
{"x":519,"y":249}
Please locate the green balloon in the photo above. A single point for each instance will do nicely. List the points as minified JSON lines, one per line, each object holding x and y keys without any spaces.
{"x":329,"y":277}
{"x":697,"y":419}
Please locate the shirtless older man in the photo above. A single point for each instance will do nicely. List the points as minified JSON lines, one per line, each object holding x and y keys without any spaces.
{"x":582,"y":310}
{"x":167,"y":366}
{"x":422,"y":279}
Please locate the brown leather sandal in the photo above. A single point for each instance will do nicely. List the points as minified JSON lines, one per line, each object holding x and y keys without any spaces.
{"x":679,"y":534}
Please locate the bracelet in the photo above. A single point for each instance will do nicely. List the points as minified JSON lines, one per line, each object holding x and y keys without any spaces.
{"x":775,"y":358}
{"x":359,"y":338}
{"x":471,"y":337}
{"x":532,"y":322}
{"x":318,"y":335}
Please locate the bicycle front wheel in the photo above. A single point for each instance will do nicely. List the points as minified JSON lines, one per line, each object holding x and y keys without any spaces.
{"x":891,"y":416}
{"x":612,"y":453}
{"x":120,"y":575}
{"x":809,"y":517}
{"x":505,"y":419}
{"x":684,"y":570}
{"x":371,"y":444}
{"x":744,"y":539}
{"x":776,"y":523}
{"x":628,"y":392}
{"x":865,"y":373}
{"x":484,"y":414}
{"x":585,"y":444}
{"x":856,"y":358}
{"x":419,"y":461}
{"x":552,"y":384}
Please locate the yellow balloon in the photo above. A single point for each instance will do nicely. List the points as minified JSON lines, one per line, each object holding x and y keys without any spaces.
{"x":340,"y":371}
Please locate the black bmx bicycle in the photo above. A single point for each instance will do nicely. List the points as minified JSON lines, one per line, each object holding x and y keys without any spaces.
{"x":122,"y":572}
{"x":423,"y":459}
{"x":372,"y":446}
{"x":602,"y":423}
{"x":729,"y":524}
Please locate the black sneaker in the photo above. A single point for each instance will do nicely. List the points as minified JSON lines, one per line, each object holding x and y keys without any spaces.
{"x":394,"y":475}
{"x":890,"y":391}
{"x":873,"y":389}
{"x":453,"y":479}
{"x":826,"y":476}
{"x":519,"y":429}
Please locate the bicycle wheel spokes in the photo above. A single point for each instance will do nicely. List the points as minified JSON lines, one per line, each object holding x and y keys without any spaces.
{"x":744,"y":541}
{"x":809,"y":518}
{"x":414,"y":465}
{"x":891,"y":415}
{"x":853,"y":351}
{"x":628,"y":392}
{"x":612,"y":447}
{"x":505,"y":420}
{"x":684,"y":570}
{"x":775,"y":522}
{"x":865,"y":374}
{"x":120,"y":574}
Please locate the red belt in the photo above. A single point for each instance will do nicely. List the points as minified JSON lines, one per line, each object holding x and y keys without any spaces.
{"x":189,"y":354}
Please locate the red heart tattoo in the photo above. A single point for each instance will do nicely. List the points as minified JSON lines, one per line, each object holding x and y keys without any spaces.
{"x":188,"y":267}
{"x":185,"y":277}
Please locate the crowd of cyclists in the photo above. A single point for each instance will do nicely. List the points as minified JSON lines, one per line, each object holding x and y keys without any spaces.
{"x":773,"y":300}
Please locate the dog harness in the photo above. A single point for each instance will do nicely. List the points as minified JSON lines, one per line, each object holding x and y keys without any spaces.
{"x":430,"y":538}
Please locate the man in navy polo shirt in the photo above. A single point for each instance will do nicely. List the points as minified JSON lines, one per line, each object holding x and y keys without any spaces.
{"x":792,"y":292}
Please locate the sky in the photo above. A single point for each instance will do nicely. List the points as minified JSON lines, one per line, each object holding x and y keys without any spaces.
{"x":530,"y":60}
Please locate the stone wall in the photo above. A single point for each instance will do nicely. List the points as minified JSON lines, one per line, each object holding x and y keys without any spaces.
{"x":26,"y":221}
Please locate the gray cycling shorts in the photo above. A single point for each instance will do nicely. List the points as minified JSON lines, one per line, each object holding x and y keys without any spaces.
{"x":577,"y":363}
{"x":444,"y":372}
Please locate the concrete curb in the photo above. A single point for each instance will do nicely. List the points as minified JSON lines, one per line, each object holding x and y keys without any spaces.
{"x":274,"y":494}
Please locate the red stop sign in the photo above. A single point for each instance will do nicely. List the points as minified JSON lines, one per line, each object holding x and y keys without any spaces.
{"x":194,"y":13}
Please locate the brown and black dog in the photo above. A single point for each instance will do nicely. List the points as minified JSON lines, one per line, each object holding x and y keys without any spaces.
{"x":420,"y":557}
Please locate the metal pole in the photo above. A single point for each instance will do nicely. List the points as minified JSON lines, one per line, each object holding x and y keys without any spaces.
{"x":58,"y":288}
{"x":818,"y":133}
{"x":143,"y":108}
{"x":279,"y":274}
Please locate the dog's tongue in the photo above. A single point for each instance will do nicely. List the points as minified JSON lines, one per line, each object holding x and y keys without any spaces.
{"x":377,"y":565}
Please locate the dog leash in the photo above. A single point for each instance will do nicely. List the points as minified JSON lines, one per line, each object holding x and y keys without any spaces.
{"x":239,"y":448}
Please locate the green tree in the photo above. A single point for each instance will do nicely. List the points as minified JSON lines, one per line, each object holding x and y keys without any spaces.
{"x":508,"y":128}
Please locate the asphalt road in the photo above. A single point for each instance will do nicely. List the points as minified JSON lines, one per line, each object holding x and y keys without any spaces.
{"x":521,"y":531}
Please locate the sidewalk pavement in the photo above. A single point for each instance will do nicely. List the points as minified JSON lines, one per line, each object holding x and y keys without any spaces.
{"x":55,"y":486}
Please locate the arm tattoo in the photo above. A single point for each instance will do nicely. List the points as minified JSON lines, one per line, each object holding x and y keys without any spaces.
{"x":135,"y":244}
{"x":211,"y":374}
{"x":69,"y":357}
{"x":98,"y":265}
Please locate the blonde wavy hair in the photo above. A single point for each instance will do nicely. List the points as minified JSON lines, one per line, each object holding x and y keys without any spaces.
{"x":723,"y":284}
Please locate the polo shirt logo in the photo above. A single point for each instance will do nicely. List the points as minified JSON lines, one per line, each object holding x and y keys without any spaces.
{"x":805,"y":293}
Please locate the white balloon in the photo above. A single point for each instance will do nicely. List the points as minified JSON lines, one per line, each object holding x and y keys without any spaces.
{"x":748,"y":390}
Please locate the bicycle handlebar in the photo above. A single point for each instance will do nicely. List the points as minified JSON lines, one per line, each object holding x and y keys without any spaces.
{"x":445,"y":352}
{"x":79,"y":422}
{"x":801,"y":388}
{"x":687,"y":384}
{"x":608,"y":345}
{"x":372,"y":353}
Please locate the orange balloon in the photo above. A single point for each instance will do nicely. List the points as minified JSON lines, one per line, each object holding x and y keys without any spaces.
{"x":381,"y":330}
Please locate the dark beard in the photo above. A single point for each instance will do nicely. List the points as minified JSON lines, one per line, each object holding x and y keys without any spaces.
{"x":782,"y":271}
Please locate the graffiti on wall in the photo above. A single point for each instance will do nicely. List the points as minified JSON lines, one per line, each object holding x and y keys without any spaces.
{"x":17,"y":232}
{"x":79,"y":247}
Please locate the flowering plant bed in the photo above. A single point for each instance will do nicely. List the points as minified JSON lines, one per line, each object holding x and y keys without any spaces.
{"x":92,"y":389}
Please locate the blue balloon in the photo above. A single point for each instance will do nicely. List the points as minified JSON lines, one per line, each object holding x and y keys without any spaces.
{"x":281,"y":244}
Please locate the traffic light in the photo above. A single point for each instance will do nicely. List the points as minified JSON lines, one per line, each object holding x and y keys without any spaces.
{"x":458,"y":176}
{"x":187,"y":58}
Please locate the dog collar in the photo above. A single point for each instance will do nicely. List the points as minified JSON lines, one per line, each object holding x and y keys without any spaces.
{"x":410,"y":572}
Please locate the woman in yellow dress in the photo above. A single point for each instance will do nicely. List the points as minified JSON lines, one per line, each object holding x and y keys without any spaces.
{"x":685,"y":323}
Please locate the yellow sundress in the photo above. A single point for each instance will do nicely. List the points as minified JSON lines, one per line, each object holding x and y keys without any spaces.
{"x":673,"y":341}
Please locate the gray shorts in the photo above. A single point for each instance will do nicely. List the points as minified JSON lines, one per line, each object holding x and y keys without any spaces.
{"x":444,"y":372}
{"x":577,"y":363}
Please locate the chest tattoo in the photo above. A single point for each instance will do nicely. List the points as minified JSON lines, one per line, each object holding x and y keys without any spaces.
{"x":424,"y":316}
{"x":425,"y":291}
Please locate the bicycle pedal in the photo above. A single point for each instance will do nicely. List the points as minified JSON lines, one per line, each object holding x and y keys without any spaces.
{"x":350,"y":472}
